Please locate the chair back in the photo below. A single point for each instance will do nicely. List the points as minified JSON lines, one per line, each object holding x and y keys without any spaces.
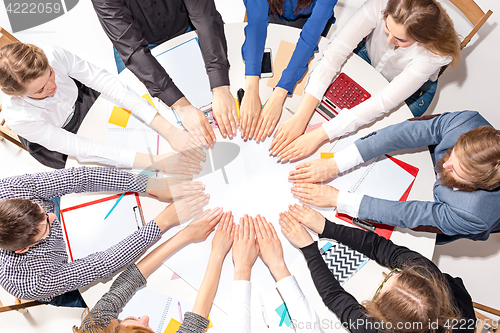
{"x":474,"y":14}
{"x":6,"y":38}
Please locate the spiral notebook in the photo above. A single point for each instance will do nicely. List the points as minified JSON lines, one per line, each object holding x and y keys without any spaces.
{"x":164,"y":312}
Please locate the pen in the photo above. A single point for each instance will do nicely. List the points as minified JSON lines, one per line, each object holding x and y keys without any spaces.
{"x":180,"y":311}
{"x":116,"y":203}
{"x":263,"y":310}
{"x":294,"y":113}
{"x":363,"y":224}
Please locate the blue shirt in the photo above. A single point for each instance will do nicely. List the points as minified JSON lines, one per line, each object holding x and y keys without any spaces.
{"x":252,"y":50}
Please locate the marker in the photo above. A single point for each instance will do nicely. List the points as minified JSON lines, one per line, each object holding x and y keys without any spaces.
{"x":116,"y":203}
{"x":237,"y":106}
{"x":294,"y":113}
{"x":325,"y":248}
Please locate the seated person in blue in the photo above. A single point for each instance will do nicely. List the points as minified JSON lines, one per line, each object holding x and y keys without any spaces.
{"x":415,"y":295}
{"x":33,"y":259}
{"x":465,"y":150}
{"x":314,"y":17}
{"x":136,"y":26}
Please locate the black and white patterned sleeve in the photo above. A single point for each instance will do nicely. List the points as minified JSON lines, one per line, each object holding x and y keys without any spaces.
{"x":46,"y":185}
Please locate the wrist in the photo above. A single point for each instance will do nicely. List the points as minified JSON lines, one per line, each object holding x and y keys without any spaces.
{"x":252,"y":84}
{"x":279,"y":271}
{"x":242,"y":272}
{"x":180,"y":103}
{"x":220,"y":90}
{"x":280,"y":93}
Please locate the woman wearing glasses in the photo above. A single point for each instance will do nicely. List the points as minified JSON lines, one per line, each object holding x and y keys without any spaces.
{"x":414,"y":297}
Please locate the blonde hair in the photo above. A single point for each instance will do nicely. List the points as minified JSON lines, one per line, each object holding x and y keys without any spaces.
{"x":418,"y":298}
{"x":478,"y":152}
{"x":428,"y":23}
{"x":19,"y":64}
{"x":113,"y":327}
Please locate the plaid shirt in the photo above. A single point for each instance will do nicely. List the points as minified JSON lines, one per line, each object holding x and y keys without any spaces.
{"x":44,"y":271}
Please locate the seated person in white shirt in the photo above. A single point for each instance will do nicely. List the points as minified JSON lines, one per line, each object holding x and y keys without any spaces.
{"x":407,"y":42}
{"x":48,"y":94}
{"x":254,"y":237}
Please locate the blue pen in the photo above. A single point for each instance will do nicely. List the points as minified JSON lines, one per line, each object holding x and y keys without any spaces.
{"x":116,"y":203}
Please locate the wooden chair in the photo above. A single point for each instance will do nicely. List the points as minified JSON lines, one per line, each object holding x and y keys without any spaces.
{"x":485,"y":324}
{"x":5,"y":131}
{"x":475,"y":15}
{"x":19,"y":305}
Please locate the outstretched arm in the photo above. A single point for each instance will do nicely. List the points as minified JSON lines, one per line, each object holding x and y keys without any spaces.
{"x":196,"y":321}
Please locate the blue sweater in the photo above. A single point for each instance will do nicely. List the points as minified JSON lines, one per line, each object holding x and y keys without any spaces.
{"x":252,"y":50}
{"x":456,"y":213}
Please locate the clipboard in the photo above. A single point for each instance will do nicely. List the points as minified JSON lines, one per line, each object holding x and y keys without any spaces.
{"x":384,"y":230}
{"x":97,"y":234}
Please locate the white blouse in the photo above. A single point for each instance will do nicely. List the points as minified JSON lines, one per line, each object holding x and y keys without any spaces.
{"x":407,"y":69}
{"x":41,"y":121}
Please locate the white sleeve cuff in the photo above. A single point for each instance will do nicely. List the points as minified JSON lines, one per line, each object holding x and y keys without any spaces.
{"x":289,"y":288}
{"x":348,"y":203}
{"x":348,"y":158}
{"x":241,"y":291}
{"x":126,"y":158}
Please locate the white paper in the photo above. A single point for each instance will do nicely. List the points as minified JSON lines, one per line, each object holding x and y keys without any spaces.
{"x":184,"y":64}
{"x":98,"y":234}
{"x":160,"y":308}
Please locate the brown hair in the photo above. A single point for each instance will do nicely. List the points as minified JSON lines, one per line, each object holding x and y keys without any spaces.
{"x":20,"y":221}
{"x":113,"y":327}
{"x":418,"y":301}
{"x":19,"y":64}
{"x":276,"y":6}
{"x":478,"y":152}
{"x":428,"y":23}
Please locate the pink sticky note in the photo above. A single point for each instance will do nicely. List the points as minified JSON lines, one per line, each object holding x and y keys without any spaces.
{"x":175,"y":277}
{"x":309,"y":128}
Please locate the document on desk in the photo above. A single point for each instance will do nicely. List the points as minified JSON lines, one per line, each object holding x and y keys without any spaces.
{"x":99,"y":234}
{"x":165,"y":313}
{"x":126,"y":131}
{"x":184,"y":64}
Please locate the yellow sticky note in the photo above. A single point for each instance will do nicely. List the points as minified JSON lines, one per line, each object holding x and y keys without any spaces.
{"x":119,"y":117}
{"x":327,"y":155}
{"x":281,"y":60}
{"x":237,"y":107}
{"x":148,"y":98}
{"x":173,"y":326}
{"x":209,"y":323}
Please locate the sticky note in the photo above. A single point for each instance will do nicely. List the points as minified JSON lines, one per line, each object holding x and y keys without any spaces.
{"x":314,"y":126}
{"x":148,"y":98}
{"x":279,"y":310}
{"x":173,"y":326}
{"x":283,"y":56}
{"x":209,"y":322}
{"x":119,"y":117}
{"x":327,"y":155}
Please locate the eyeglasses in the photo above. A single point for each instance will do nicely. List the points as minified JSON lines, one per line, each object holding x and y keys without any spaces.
{"x":395,"y":270}
{"x":49,"y":226}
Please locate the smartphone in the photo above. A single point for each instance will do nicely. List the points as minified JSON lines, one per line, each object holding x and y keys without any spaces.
{"x":267,"y":64}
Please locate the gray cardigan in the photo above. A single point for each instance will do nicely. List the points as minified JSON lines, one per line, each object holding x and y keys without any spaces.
{"x":125,"y":285}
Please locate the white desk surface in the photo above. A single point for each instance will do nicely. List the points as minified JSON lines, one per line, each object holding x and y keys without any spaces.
{"x":363,"y":284}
